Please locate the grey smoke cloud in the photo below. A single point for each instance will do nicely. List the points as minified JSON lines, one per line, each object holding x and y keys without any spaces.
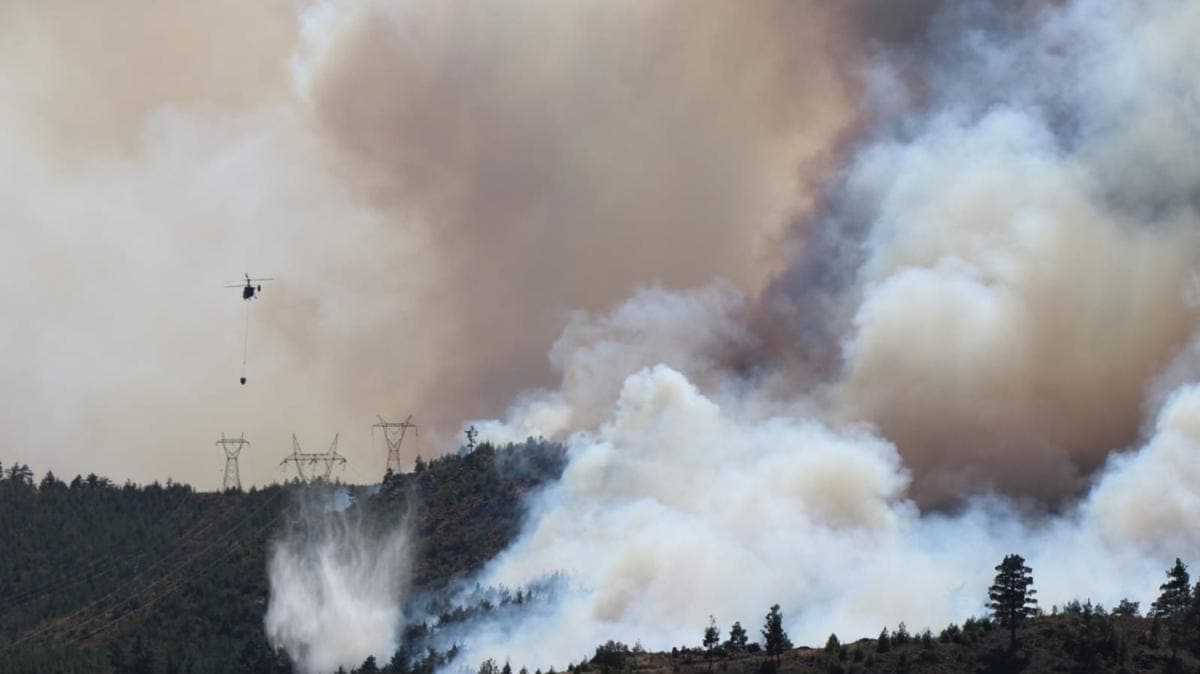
{"x":1000,"y":284}
{"x":434,"y":188}
{"x":1006,"y":318}
{"x":1018,"y":278}
{"x":679,"y":505}
{"x":564,"y":154}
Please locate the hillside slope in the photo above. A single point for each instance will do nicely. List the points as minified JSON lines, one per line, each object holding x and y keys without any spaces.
{"x":97,"y":577}
{"x":100,"y":577}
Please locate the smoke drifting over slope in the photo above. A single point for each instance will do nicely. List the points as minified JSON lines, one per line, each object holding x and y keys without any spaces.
{"x":336,"y":588}
{"x":1004,"y":281}
{"x":679,"y":507}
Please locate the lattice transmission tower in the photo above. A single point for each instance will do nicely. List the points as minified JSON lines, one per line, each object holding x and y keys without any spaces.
{"x":233,"y":447}
{"x":314,"y":460}
{"x":393,"y":433}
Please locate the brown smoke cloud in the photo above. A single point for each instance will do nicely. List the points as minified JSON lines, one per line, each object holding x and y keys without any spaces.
{"x":992,"y":281}
{"x":437,"y":187}
{"x":561,"y":155}
{"x":87,"y":75}
{"x":433,"y":186}
{"x":997,"y":294}
{"x":1002,"y":277}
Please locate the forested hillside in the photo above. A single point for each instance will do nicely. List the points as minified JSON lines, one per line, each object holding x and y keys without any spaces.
{"x":100,"y":577}
{"x":1077,"y":639}
{"x":96,"y":576}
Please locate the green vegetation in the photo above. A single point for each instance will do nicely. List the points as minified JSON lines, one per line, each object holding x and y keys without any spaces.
{"x":712,"y":637}
{"x":96,"y":577}
{"x":775,"y":640}
{"x":737,"y":638}
{"x":99,"y":577}
{"x":1011,"y":596}
{"x":1172,"y":607}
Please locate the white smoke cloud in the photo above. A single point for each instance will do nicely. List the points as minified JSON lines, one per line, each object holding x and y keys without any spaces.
{"x":676,"y":507}
{"x":1016,"y":298}
{"x":687,"y":330}
{"x":1148,"y":499}
{"x":1019,"y":312}
{"x":336,"y":591}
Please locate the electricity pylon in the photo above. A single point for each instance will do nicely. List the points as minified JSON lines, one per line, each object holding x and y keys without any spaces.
{"x":393,"y":433}
{"x":302,"y":459}
{"x":232,"y":447}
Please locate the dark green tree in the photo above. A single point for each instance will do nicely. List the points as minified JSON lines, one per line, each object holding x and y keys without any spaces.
{"x":712,"y":637}
{"x":611,"y":655}
{"x":1011,"y":597}
{"x":399,"y":661}
{"x":50,"y":482}
{"x":1092,"y":638}
{"x":1173,"y":604}
{"x":775,"y":640}
{"x":22,"y":475}
{"x":1126,"y":608}
{"x":884,"y":643}
{"x":1192,"y":621}
{"x":737,"y":637}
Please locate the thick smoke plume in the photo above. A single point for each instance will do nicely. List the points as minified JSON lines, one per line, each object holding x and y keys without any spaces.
{"x":336,"y":588}
{"x":433,"y":186}
{"x":678,"y":507}
{"x":1023,"y":280}
{"x":993,"y":303}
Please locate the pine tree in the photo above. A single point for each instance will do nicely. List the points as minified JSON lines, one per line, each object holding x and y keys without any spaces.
{"x":712,"y":637}
{"x":1172,"y":605}
{"x":775,"y":639}
{"x":1192,"y":621}
{"x":399,"y":661}
{"x":884,"y":643}
{"x":1011,"y":598}
{"x":737,"y":637}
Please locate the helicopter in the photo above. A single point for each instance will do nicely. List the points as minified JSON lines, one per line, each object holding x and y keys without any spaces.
{"x":250,"y":289}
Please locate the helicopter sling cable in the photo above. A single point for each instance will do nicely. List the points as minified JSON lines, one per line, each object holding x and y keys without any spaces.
{"x":249,"y":291}
{"x":245,"y":344}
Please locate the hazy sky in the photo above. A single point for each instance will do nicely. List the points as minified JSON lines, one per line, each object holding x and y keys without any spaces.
{"x":915,"y":223}
{"x":434,"y":187}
